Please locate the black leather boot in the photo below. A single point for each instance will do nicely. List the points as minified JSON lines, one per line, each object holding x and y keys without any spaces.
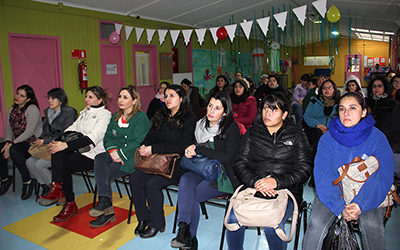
{"x":27,"y":189}
{"x":104,"y":206}
{"x":193,"y":244}
{"x":151,"y":232}
{"x":142,"y":225}
{"x":102,"y":220}
{"x":182,"y":237}
{"x":5,"y":185}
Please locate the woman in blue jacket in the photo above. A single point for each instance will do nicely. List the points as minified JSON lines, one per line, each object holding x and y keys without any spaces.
{"x":350,"y":135}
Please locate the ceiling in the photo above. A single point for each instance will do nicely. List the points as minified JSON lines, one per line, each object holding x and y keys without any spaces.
{"x":380,"y":15}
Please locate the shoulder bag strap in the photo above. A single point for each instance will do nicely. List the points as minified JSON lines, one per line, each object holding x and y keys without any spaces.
{"x":279,"y":230}
{"x":232,"y":226}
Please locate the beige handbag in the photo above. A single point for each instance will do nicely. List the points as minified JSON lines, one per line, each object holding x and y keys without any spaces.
{"x":252,"y":211}
{"x":42,"y":152}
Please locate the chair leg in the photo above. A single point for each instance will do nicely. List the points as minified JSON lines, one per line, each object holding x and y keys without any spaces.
{"x":221,"y":244}
{"x":298,"y":226}
{"x":204,"y":209}
{"x":130,"y":212}
{"x":14,"y":177}
{"x":86,"y":182}
{"x":169,"y":197}
{"x":258,"y":231}
{"x":126,"y":188}
{"x":119,"y":190}
{"x":175,"y":220}
{"x":94,"y":196}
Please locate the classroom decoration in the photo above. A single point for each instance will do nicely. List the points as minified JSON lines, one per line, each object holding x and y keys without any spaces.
{"x":281,"y":19}
{"x":231,"y":31}
{"x":222,"y":33}
{"x":214,"y":34}
{"x":275,"y":57}
{"x":333,"y":14}
{"x":118,"y":27}
{"x":300,"y":12}
{"x":128,"y":31}
{"x":150,"y":34}
{"x":258,"y":55}
{"x":161,"y":35}
{"x":114,"y":37}
{"x":139,"y":32}
{"x":263,"y":23}
{"x":246,"y":26}
{"x":174,"y":36}
{"x":186,"y":36}
{"x":320,"y":5}
{"x":200,"y":35}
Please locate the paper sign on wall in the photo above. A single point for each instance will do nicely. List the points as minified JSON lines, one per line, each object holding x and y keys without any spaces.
{"x":111,"y":69}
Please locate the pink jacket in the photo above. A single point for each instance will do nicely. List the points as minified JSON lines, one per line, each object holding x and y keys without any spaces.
{"x":246,"y":111}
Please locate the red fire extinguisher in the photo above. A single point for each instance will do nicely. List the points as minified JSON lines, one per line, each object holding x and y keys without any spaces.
{"x":82,"y":73}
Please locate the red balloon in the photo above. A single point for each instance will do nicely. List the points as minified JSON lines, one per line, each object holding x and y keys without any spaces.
{"x":114,"y":37}
{"x":222,"y":33}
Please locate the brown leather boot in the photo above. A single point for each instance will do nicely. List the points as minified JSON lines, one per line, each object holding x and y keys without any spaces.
{"x":70,"y":209}
{"x":55,"y":195}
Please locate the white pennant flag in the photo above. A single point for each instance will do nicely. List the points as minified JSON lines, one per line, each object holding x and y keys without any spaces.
{"x":263,"y":23}
{"x":186,"y":36}
{"x":161,"y":35}
{"x":128,"y":31}
{"x":200,"y":35}
{"x":214,"y":34}
{"x":174,"y":36}
{"x":139,"y":32}
{"x":320,"y":5}
{"x":118,"y":27}
{"x":246,"y":26}
{"x":301,"y":13}
{"x":150,"y":34}
{"x":281,"y":19}
{"x":231,"y":31}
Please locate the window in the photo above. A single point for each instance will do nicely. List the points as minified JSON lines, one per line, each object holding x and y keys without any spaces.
{"x":142,"y":68}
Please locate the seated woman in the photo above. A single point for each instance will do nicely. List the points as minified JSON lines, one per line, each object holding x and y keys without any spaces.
{"x":158,"y":101}
{"x":350,"y":135}
{"x":217,"y":136}
{"x":222,"y":84}
{"x":66,"y":158}
{"x":380,"y":100}
{"x":265,"y":89}
{"x":171,"y":132}
{"x":23,"y":125}
{"x":196,"y":102}
{"x":353,"y":84}
{"x":313,"y":91}
{"x":126,"y":130}
{"x":57,"y":117}
{"x":274,"y":154}
{"x":300,"y":91}
{"x":244,"y":105}
{"x":395,"y":82}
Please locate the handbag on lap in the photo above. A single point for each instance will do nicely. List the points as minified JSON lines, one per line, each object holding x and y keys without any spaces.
{"x":204,"y":166}
{"x":156,"y":163}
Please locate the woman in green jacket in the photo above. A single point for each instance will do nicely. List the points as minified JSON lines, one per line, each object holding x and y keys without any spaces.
{"x":127,"y":129}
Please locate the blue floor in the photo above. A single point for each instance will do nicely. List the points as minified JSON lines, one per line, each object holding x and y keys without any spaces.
{"x":14,"y":209}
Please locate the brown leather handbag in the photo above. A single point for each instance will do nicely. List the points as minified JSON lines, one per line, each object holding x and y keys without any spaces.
{"x":156,"y":163}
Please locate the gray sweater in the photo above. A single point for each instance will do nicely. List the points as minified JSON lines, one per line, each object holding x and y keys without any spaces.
{"x":33,"y":125}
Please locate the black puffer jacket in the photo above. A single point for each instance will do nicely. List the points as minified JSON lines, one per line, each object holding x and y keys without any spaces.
{"x":284,"y":155}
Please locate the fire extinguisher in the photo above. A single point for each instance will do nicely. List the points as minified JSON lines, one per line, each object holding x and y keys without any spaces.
{"x":82,"y":73}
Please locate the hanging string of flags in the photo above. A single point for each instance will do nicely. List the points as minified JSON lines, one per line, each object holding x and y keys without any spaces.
{"x":263,"y":23}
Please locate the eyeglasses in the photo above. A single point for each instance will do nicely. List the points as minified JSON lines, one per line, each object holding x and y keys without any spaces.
{"x":396,"y":81}
{"x":326,"y":88}
{"x":377,"y":86}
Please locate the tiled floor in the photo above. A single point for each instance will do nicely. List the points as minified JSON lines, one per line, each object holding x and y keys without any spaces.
{"x":13,"y":209}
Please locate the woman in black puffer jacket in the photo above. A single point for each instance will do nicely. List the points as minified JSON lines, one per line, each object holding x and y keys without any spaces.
{"x":274,"y":154}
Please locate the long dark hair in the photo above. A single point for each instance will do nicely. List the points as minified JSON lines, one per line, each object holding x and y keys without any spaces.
{"x":30,"y":94}
{"x":60,"y":94}
{"x":226,"y":120}
{"x":216,"y":89}
{"x":336,"y":93}
{"x":276,"y":100}
{"x":163,"y":115}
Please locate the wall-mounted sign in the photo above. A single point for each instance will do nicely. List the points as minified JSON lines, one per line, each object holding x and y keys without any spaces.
{"x":78,"y":54}
{"x":111,"y":69}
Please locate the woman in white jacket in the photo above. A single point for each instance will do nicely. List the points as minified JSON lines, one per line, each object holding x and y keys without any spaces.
{"x":353,"y":84}
{"x":66,"y":158}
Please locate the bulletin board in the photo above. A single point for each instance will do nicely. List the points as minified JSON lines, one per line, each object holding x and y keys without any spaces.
{"x":165,"y":65}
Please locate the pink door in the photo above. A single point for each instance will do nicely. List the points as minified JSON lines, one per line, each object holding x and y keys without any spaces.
{"x":353,"y":66}
{"x":3,"y":111}
{"x":147,"y":88}
{"x":36,"y":61}
{"x":112,"y":71}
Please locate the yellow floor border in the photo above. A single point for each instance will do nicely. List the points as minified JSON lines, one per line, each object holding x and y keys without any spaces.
{"x":38,"y":229}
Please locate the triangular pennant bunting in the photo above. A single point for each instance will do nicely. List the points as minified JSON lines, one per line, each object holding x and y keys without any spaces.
{"x":320,"y":5}
{"x":214,"y":34}
{"x":281,"y":19}
{"x":246,"y":26}
{"x":231,"y":31}
{"x":200,"y":35}
{"x":174,"y":36}
{"x":150,"y":34}
{"x":161,"y":35}
{"x":186,"y":36}
{"x":263,"y":23}
{"x":300,"y":12}
{"x":139,"y":32}
{"x":128,"y":31}
{"x":118,"y":27}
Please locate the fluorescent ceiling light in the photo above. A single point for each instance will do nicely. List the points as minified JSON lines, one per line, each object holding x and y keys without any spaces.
{"x":377,"y":37}
{"x":335,"y":33}
{"x":376,"y":32}
{"x":353,"y":29}
{"x":362,"y":30}
{"x":389,"y":33}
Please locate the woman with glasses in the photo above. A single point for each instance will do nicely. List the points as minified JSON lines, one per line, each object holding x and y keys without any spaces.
{"x":395,"y":82}
{"x":380,"y":100}
{"x":320,"y":111}
{"x":158,"y":101}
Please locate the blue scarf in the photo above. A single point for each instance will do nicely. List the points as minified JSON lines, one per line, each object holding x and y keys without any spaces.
{"x":352,"y":136}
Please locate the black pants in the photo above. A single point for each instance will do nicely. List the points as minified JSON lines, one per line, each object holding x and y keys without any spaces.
{"x":18,"y":154}
{"x":149,"y":187}
{"x":65,"y":162}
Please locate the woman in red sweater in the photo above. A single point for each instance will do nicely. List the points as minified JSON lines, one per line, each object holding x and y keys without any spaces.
{"x":244,"y":105}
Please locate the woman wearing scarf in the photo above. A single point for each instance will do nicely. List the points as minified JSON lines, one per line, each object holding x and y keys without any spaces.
{"x":380,"y":100}
{"x":217,"y":136}
{"x":158,"y":101}
{"x":350,"y":135}
{"x":244,"y":106}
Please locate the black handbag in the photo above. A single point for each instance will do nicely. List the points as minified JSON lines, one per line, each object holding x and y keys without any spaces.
{"x":72,"y":136}
{"x":340,"y":236}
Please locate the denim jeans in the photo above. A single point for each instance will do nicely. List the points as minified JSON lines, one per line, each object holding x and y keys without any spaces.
{"x":298,"y":113}
{"x":105,"y":170}
{"x":236,"y":238}
{"x":18,"y":154}
{"x":321,"y":219}
{"x":193,"y":189}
